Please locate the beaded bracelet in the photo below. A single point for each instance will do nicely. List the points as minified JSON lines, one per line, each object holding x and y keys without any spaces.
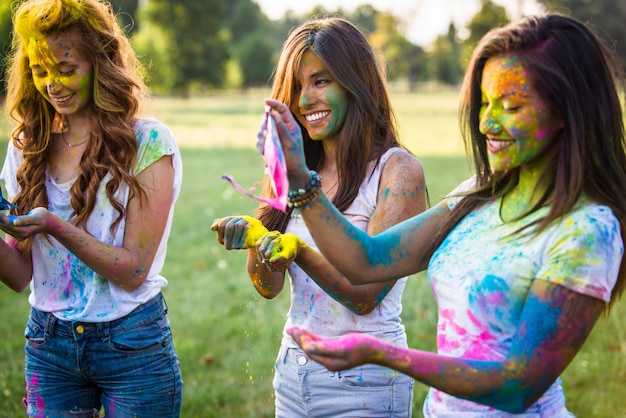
{"x":301,"y":198}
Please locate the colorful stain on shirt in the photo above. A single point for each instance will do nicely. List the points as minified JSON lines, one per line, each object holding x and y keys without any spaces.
{"x":482,"y":272}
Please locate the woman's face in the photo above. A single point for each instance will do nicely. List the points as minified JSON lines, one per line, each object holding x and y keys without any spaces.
{"x":518,"y":124}
{"x":322,"y":102}
{"x":61,"y":73}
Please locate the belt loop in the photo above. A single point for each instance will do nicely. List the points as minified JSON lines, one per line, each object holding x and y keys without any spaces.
{"x":104,"y":329}
{"x":50,"y":322}
{"x":164,"y":302}
{"x":284,"y":354}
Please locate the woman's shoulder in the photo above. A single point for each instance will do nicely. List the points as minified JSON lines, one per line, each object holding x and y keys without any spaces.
{"x":399,"y":158}
{"x":398,"y":152}
{"x":151,"y":132}
{"x":150,"y":124}
{"x":398,"y":163}
{"x":155,"y":139}
{"x":590,"y":210}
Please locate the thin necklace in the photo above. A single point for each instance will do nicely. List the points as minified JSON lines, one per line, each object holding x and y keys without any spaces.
{"x":332,"y":187}
{"x":73,"y":145}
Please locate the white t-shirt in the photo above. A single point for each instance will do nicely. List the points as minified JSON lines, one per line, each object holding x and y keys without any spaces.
{"x":64,"y":285}
{"x":480,"y":279}
{"x":312,"y":308}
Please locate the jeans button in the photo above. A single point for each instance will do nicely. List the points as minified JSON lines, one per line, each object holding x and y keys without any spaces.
{"x":80,"y":329}
{"x":301,"y":360}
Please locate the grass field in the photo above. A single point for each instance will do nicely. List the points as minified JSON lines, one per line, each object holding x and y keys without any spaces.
{"x":226,"y":335}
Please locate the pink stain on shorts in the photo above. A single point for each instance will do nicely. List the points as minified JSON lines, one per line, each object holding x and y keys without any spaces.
{"x":275,"y":167}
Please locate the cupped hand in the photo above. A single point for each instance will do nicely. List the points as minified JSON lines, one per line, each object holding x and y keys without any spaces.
{"x":238,"y":232}
{"x":291,"y":140}
{"x":277,"y":251}
{"x":341,"y":353}
{"x":21,"y":227}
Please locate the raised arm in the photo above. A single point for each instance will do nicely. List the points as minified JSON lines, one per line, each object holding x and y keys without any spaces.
{"x":401,"y":194}
{"x":363,"y":259}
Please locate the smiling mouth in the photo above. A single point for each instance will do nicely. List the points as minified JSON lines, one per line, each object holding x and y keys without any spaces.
{"x":316,"y":116}
{"x":496,"y":145}
{"x":62,"y":100}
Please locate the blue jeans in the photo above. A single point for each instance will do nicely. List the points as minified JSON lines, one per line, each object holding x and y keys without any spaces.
{"x":305,"y":388}
{"x":128,"y":367}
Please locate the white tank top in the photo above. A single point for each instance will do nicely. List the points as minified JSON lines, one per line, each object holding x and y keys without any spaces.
{"x":315,"y":310}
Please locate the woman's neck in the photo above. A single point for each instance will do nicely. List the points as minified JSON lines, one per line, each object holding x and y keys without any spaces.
{"x":530,"y":188}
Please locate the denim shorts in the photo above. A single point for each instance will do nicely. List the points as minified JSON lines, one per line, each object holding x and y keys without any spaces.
{"x":127,"y":367}
{"x":304,"y":388}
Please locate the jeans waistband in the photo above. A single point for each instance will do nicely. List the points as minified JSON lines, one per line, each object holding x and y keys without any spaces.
{"x":149,"y":311}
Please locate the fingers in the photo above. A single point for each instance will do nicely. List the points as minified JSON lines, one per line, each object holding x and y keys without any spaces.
{"x":290,"y":135}
{"x":254,"y":232}
{"x":231,"y":232}
{"x":278,"y":106}
{"x":277,"y":250}
{"x":301,"y":336}
{"x":285,"y":121}
{"x":264,"y":250}
{"x":215,"y":224}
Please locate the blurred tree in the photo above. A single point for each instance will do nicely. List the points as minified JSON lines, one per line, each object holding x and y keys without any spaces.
{"x":416,"y":60}
{"x":364,"y":16}
{"x":255,"y":56}
{"x":6,"y":27}
{"x":607,"y":17}
{"x":250,"y":42}
{"x":242,"y":18}
{"x":152,"y":44}
{"x":196,"y":47}
{"x":444,"y":58}
{"x":281,"y":29}
{"x":404,"y":59}
{"x":489,"y":16}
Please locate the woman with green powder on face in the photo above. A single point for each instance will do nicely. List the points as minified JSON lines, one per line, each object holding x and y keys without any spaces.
{"x":95,"y":187}
{"x":330,"y":76}
{"x":522,"y":258}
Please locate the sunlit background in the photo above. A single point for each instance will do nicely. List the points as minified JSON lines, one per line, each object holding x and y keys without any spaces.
{"x":422,"y":20}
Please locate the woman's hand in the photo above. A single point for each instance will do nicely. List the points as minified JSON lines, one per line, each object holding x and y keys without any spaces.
{"x":290,"y":136}
{"x":238,"y":232}
{"x":37,"y":221}
{"x":341,"y":353}
{"x":277,"y":251}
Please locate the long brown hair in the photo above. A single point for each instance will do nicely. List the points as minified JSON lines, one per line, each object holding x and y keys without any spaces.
{"x":118,"y":88}
{"x":370,"y":127}
{"x":579,"y":78}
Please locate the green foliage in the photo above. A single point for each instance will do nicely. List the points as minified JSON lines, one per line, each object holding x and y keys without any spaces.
{"x":256,"y":60}
{"x":151,"y":45}
{"x":444,"y":58}
{"x":489,"y":16}
{"x":250,"y":42}
{"x":404,"y":59}
{"x":191,"y":46}
{"x":196,"y":49}
{"x":606,"y":16}
{"x":243,"y":19}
